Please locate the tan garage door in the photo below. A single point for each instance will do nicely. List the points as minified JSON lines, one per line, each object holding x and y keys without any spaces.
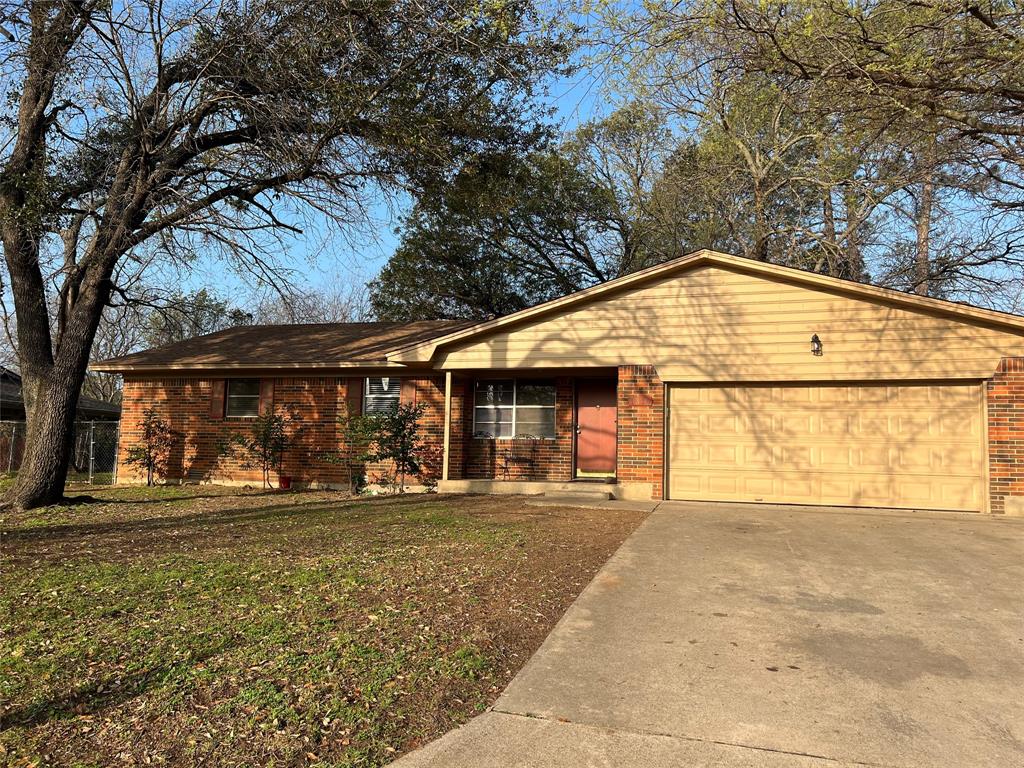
{"x":875,"y":446}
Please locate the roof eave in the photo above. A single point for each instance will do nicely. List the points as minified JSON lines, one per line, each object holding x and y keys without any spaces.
{"x":111,"y":366}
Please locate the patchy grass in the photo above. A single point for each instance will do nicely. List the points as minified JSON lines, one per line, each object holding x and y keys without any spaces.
{"x":205,"y":625}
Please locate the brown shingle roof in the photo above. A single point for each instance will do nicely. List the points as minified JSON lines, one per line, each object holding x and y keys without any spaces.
{"x":322,"y":345}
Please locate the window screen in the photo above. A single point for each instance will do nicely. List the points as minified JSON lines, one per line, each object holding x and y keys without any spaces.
{"x":243,"y":398}
{"x":382,"y":394}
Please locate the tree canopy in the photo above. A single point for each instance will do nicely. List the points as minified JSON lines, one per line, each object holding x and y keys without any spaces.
{"x":877,"y":142}
{"x":139,"y":131}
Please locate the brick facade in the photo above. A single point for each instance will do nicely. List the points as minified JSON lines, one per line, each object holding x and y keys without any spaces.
{"x":641,"y":433}
{"x":457,"y":447}
{"x":313,"y":404}
{"x":486,"y":459}
{"x":316,"y":403}
{"x":1005,"y":394}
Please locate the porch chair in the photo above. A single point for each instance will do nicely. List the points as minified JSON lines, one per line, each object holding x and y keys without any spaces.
{"x":521,"y":453}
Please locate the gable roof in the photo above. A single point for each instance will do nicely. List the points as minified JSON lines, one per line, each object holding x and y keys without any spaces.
{"x":323,"y":345}
{"x":424,"y":350}
{"x":385,"y":344}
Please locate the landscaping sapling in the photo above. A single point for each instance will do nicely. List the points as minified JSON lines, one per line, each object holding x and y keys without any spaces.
{"x":152,"y":453}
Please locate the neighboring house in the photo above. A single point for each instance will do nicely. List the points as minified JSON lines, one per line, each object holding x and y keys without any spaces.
{"x":709,"y":377}
{"x":12,"y":406}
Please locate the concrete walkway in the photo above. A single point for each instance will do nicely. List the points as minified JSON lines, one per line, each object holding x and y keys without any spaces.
{"x":735,"y":635}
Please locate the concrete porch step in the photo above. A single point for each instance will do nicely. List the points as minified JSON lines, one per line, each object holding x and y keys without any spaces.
{"x":579,"y":493}
{"x":549,"y":489}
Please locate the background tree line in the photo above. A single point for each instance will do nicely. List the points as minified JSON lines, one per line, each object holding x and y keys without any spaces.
{"x":880,"y":141}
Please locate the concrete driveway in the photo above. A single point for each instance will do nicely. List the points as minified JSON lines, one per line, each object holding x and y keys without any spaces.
{"x":742,"y":635}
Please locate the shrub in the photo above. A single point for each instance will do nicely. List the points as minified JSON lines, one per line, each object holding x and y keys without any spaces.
{"x":263,"y":448}
{"x":152,"y":453}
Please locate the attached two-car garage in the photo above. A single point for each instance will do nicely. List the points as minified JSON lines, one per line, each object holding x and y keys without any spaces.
{"x":901,"y":445}
{"x":750,"y":382}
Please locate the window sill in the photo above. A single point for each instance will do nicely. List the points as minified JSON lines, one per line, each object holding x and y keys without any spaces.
{"x":517,"y":439}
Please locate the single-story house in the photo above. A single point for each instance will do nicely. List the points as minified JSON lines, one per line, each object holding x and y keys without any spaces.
{"x":709,"y":377}
{"x":12,"y":405}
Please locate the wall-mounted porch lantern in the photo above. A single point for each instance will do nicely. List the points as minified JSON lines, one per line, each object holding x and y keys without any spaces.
{"x":816,"y":348}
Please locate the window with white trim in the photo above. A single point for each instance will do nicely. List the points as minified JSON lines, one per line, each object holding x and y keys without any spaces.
{"x":243,"y":398}
{"x":507,"y":408}
{"x":382,"y":393}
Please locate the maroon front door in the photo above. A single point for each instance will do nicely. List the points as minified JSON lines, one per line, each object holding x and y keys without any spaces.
{"x":595,"y":427}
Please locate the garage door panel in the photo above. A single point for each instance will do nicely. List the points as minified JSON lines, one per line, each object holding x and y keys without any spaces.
{"x":958,"y":425}
{"x":834,"y":426}
{"x":797,"y":424}
{"x":835,"y":457}
{"x":918,"y":446}
{"x":871,"y":459}
{"x":724,"y":455}
{"x":798,"y":456}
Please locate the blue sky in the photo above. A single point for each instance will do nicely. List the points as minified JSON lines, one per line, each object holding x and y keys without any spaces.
{"x":327,"y":259}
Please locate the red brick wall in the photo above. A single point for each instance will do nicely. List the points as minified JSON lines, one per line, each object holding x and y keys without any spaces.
{"x":457,"y":444}
{"x":314,"y":405}
{"x":641,"y":414}
{"x":430,"y":394}
{"x":481,"y":458}
{"x":1005,"y":393}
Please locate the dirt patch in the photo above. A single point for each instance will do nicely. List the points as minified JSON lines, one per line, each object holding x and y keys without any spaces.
{"x":210,"y":626}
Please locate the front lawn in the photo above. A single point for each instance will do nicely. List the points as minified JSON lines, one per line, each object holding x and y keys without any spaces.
{"x":216,"y":627}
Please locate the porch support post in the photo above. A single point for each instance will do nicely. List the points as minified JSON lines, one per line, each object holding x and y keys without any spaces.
{"x":447,"y":424}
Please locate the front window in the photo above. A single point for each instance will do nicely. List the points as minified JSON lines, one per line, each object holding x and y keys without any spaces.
{"x":243,"y":398}
{"x":382,"y":394}
{"x":506,"y":408}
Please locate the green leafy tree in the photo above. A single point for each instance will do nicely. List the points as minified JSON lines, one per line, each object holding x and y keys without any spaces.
{"x":156,"y":442}
{"x":264,"y":447}
{"x":872,"y":141}
{"x":396,"y":438}
{"x":513,"y":230}
{"x":391,"y":436}
{"x":435,"y":274}
{"x":357,"y":434}
{"x":952,"y":62}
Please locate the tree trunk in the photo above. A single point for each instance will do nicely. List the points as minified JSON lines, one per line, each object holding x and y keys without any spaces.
{"x":50,"y":388}
{"x":832,"y":254}
{"x":922,"y":254}
{"x":50,"y":421}
{"x":854,"y":258}
{"x":760,"y":225}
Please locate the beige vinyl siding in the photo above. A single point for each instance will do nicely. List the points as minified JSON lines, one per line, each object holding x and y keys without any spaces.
{"x":900,"y":445}
{"x":715,"y":323}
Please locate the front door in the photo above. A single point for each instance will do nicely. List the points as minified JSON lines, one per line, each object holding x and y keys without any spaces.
{"x":595,"y":428}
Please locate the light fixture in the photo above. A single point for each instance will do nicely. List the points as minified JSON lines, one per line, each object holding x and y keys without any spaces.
{"x":385,"y":380}
{"x":816,"y":349}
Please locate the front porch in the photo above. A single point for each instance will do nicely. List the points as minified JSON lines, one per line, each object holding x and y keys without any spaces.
{"x":633,"y":491}
{"x":598,"y":432}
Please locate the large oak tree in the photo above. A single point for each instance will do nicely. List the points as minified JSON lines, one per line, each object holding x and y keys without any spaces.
{"x":142,"y":129}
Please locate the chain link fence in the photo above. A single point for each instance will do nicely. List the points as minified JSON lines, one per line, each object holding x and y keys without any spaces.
{"x":93,"y":453}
